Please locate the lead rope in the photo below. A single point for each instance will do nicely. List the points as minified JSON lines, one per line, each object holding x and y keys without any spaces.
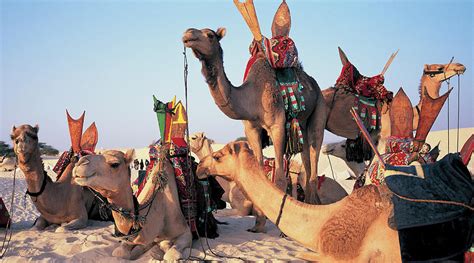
{"x":6,"y":243}
{"x":189,"y":165}
{"x":459,"y":111}
{"x":448,"y":81}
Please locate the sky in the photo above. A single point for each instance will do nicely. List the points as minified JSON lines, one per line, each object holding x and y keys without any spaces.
{"x":109,"y":57}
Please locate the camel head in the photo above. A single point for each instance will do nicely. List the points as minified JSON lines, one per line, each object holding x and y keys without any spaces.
{"x":227,"y":161}
{"x":205,"y":42}
{"x":438,"y":73}
{"x":25,"y":142}
{"x":196,"y":141}
{"x":107,"y":173}
{"x":337,"y":149}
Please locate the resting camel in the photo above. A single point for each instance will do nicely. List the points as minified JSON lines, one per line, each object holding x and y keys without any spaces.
{"x":354,"y":229}
{"x":338,"y":149}
{"x":259,"y":104}
{"x":59,"y":202}
{"x":165,"y":228}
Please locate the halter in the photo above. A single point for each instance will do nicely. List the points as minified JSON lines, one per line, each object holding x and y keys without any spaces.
{"x":43,"y":186}
{"x":133,"y":215}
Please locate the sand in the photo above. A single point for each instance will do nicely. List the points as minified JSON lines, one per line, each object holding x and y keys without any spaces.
{"x":95,"y":243}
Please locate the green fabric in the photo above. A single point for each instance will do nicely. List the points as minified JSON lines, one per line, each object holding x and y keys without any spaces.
{"x":160,"y":109}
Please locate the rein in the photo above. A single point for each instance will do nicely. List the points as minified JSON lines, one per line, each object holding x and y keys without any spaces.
{"x":43,"y":186}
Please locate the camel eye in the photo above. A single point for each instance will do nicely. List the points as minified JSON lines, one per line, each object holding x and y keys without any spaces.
{"x":114,"y":165}
{"x":210,"y":36}
{"x":440,"y":68}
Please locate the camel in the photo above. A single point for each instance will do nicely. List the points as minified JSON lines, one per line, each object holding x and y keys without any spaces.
{"x":339,"y":102}
{"x":165,"y":228}
{"x":259,"y":103}
{"x":330,"y":191}
{"x":7,"y":163}
{"x":354,"y":229}
{"x":59,"y":202}
{"x":338,"y":149}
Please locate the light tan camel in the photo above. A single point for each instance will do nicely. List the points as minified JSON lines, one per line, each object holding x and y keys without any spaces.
{"x":59,"y":202}
{"x":164,"y":229}
{"x":338,"y":149}
{"x":329,"y":192}
{"x":259,"y":104}
{"x":354,"y":229}
{"x":7,"y":163}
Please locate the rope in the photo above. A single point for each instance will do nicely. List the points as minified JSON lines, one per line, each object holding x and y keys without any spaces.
{"x":330,"y":165}
{"x":431,"y":201}
{"x":459,"y":112}
{"x":448,"y":81}
{"x":283,"y":201}
{"x":6,"y":243}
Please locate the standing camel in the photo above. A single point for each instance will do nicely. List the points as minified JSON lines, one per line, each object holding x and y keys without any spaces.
{"x":259,"y":103}
{"x":59,"y":202}
{"x":339,"y":101}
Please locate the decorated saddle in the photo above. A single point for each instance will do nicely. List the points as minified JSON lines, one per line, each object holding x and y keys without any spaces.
{"x":402,"y":148}
{"x":281,"y":53}
{"x":427,"y":230}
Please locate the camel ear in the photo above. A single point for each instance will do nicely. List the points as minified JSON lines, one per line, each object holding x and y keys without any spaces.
{"x":343,"y":57}
{"x":129,"y":155}
{"x":36,"y":128}
{"x":221,"y":33}
{"x":13,"y":129}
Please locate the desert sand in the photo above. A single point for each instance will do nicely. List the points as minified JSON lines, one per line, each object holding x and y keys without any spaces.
{"x":95,"y":243}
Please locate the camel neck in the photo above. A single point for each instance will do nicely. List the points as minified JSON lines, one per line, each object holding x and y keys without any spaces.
{"x":298,"y":220}
{"x":205,"y":150}
{"x":33,"y":171}
{"x":123,"y":199}
{"x":226,"y":96}
{"x":431,"y":86}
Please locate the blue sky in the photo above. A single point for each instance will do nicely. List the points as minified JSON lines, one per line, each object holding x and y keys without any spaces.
{"x":109,"y":57}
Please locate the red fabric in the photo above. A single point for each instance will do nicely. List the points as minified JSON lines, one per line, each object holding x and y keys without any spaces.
{"x":4,"y":215}
{"x":321,"y":180}
{"x":371,"y":87}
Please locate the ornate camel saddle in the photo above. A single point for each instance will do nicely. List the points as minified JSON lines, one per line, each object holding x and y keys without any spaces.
{"x":432,"y":231}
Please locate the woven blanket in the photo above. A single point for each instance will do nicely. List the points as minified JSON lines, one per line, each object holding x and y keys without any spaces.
{"x":430,"y":231}
{"x":65,"y":160}
{"x":372,"y":87}
{"x":368,"y":112}
{"x":397,"y":153}
{"x":282,"y":55}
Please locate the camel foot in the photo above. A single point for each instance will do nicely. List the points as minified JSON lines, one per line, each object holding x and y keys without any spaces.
{"x":122,"y":251}
{"x":157,"y":253}
{"x":73,"y":225}
{"x":40,"y":224}
{"x":256,"y":229}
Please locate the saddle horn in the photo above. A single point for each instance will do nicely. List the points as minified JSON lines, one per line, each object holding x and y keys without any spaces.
{"x":343,"y":57}
{"x":282,"y":21}
{"x":389,"y":62}
{"x":75,"y":131}
{"x":247,"y":9}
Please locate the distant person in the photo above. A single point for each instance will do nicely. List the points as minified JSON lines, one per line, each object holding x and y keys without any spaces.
{"x":135,"y":164}
{"x":141,"y":164}
{"x":147,"y":162}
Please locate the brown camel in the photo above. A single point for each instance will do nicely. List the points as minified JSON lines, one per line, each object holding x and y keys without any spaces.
{"x":259,"y":104}
{"x":59,"y":202}
{"x":354,"y":229}
{"x":165,"y":228}
{"x":339,"y":102}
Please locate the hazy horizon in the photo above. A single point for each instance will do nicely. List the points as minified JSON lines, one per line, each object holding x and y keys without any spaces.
{"x":109,"y":58}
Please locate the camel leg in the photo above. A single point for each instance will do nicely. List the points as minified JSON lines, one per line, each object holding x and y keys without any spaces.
{"x":315,"y":136}
{"x":305,"y":158}
{"x":73,"y":225}
{"x":260,"y":220}
{"x":40,"y":224}
{"x":278,"y":137}
{"x":254,"y":139}
{"x":157,"y":253}
{"x":176,"y":251}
